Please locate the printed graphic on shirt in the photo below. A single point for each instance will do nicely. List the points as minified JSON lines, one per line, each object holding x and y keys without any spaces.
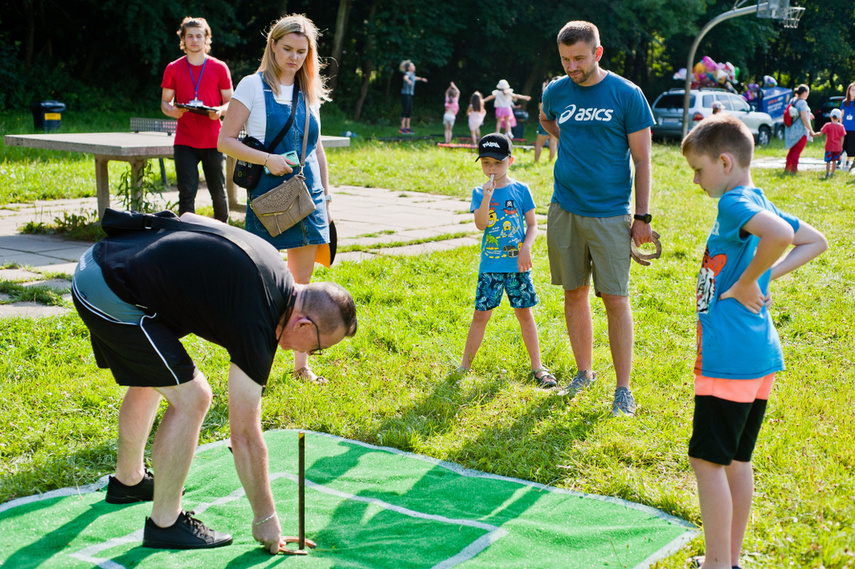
{"x":501,"y":237}
{"x":710,"y":268}
{"x":585,"y":115}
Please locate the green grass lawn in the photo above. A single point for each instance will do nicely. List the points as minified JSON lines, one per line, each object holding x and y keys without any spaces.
{"x":390,"y":386}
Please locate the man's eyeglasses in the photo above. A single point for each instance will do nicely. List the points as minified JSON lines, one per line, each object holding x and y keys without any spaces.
{"x":320,"y":350}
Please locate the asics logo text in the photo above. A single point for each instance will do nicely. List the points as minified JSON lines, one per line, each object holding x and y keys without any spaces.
{"x":580,"y":115}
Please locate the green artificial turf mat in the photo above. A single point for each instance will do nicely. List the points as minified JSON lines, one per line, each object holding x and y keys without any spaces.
{"x":366,"y":507}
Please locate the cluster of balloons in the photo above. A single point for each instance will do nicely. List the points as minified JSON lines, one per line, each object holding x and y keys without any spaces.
{"x":708,"y":73}
{"x":755,"y":91}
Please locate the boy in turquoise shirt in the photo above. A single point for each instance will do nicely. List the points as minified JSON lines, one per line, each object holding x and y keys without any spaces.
{"x":738,"y":346}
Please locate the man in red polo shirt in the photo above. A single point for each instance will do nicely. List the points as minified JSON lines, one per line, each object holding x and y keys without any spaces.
{"x":197,"y":80}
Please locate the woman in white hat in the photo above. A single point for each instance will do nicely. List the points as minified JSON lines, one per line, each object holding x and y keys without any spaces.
{"x":505,"y":97}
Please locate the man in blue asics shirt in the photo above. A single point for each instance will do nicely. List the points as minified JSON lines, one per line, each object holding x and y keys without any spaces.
{"x":603,"y":122}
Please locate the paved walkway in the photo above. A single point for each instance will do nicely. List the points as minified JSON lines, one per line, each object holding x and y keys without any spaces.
{"x":372,"y":219}
{"x":778,"y":163}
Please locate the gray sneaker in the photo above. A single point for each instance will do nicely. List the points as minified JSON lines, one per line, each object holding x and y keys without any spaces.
{"x":579,"y":383}
{"x":624,"y":403}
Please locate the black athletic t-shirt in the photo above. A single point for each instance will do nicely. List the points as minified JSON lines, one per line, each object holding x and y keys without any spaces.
{"x":205,"y":285}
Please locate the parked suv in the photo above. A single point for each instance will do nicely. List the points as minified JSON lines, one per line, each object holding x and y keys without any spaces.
{"x":668,"y":112}
{"x":822,"y":114}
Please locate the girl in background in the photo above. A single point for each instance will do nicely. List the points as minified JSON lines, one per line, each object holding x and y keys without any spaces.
{"x":452,"y":105}
{"x":476,"y":113}
{"x":505,"y":98}
{"x":408,"y":68}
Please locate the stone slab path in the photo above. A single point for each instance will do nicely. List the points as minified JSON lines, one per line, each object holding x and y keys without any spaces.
{"x":377,"y":221}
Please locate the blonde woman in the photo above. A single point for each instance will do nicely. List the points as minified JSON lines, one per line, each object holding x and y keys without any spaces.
{"x":262,"y":101}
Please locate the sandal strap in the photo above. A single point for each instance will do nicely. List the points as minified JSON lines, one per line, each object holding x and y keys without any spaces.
{"x":546,"y":373}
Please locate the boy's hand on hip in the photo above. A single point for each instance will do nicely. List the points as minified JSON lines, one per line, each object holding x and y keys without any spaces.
{"x":750,"y":296}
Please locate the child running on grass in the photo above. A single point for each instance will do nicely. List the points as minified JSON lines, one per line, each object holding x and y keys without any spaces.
{"x":504,"y":211}
{"x":452,"y":96}
{"x":476,"y":113}
{"x":738,"y":347}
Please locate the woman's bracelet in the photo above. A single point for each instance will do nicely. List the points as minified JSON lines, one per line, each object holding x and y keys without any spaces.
{"x":265,"y":520}
{"x":265,"y":164}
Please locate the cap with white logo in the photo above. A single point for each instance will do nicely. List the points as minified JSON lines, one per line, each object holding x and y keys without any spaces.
{"x":495,"y":145}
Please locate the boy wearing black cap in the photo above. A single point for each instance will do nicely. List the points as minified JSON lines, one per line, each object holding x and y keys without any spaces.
{"x":504,"y":211}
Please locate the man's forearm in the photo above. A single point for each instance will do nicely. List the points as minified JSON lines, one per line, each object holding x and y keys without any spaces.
{"x":250,"y":454}
{"x":643,"y":183}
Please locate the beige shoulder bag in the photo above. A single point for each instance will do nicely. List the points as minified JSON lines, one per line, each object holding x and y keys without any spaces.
{"x":285,"y":205}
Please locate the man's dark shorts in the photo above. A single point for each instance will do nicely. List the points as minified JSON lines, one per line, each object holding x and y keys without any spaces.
{"x":141,"y":352}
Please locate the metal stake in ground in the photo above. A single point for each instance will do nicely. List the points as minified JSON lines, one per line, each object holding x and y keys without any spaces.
{"x":301,"y":541}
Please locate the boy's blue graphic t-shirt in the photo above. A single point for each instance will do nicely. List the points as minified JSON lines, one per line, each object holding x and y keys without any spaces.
{"x":593,"y":176}
{"x":505,"y":233}
{"x":733,"y":342}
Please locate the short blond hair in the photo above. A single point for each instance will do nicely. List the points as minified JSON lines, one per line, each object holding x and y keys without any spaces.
{"x":309,"y":77}
{"x":718,"y":134}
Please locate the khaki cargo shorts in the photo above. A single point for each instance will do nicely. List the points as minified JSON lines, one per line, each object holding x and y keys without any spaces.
{"x":580,"y":247}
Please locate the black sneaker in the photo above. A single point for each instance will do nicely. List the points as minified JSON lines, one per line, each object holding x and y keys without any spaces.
{"x":118,"y":493}
{"x":186,"y":533}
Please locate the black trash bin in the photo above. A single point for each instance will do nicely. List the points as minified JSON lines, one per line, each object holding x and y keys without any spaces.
{"x":519,"y":130}
{"x":47,"y":115}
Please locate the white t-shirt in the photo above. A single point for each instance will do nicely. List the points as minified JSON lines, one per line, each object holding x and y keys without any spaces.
{"x":503,"y":99}
{"x":250,"y":92}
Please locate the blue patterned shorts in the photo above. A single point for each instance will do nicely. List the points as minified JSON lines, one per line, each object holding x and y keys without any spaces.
{"x":832,"y":156}
{"x":520,"y":287}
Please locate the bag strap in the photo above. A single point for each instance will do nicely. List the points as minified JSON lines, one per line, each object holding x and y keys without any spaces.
{"x":305,"y":137}
{"x":115,"y":222}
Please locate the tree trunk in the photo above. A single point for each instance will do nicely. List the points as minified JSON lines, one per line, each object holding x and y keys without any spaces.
{"x":338,"y":41}
{"x":368,"y":62}
{"x":533,"y":84}
{"x":640,"y":64}
{"x":28,"y":8}
{"x":367,"y":70}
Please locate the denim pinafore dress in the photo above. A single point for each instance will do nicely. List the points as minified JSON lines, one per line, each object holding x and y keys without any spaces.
{"x":314,"y":229}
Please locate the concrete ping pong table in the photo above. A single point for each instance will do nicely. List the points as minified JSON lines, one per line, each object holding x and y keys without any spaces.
{"x":134,"y":147}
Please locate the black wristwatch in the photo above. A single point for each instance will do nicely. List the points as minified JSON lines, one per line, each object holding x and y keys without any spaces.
{"x":646,"y":218}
